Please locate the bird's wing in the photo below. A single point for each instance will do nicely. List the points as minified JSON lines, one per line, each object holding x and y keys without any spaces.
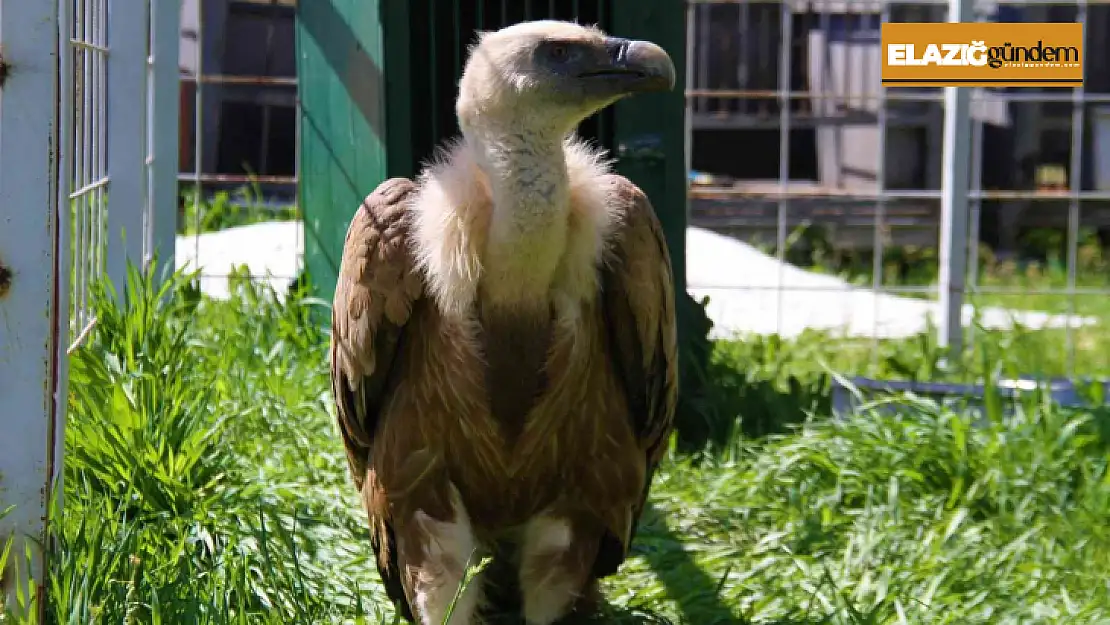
{"x":374,"y":295}
{"x":639,"y":304}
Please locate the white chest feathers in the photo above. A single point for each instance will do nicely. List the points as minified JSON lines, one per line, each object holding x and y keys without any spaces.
{"x":539,"y":235}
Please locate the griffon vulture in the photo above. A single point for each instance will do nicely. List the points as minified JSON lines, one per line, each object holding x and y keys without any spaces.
{"x":503,"y":341}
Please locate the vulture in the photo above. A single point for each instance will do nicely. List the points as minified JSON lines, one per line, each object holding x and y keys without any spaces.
{"x":503,"y":340}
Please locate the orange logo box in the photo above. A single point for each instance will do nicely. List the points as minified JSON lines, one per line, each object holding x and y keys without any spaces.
{"x":982,"y":54}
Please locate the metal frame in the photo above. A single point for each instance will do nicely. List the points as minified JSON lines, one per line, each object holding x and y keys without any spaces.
{"x":944,"y":212}
{"x":126,"y":129}
{"x":32,"y":298}
{"x":954,"y":201}
{"x":164,"y":113}
{"x":88,"y":76}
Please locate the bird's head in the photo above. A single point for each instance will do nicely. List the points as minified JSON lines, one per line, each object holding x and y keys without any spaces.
{"x":551,"y":75}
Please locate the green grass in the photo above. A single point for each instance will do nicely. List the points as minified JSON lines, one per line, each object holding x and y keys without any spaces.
{"x":225,"y":209}
{"x":205,"y":483}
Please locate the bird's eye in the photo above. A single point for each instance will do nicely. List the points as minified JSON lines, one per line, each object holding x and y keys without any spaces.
{"x":559,"y":52}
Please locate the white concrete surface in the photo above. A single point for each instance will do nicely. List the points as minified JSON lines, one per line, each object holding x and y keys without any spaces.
{"x":740,"y":281}
{"x":272,"y":251}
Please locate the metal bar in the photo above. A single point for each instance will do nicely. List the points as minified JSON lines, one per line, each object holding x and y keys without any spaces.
{"x":85,"y":262}
{"x":703,"y":51}
{"x":225,"y":79}
{"x":688,"y":145}
{"x":976,"y":206}
{"x":903,"y":95}
{"x":32,"y":296}
{"x":920,"y":3}
{"x":165,"y":119}
{"x":916,"y":290}
{"x":148,"y":137}
{"x":1045,"y":195}
{"x":785,"y":59}
{"x":69,"y":159}
{"x":89,"y":188}
{"x":88,"y":45}
{"x":198,"y":133}
{"x":101,"y":145}
{"x":1023,"y":290}
{"x":1074,"y":186}
{"x":125,"y":131}
{"x":846,"y":55}
{"x":816,"y":288}
{"x":76,"y":61}
{"x":880,"y":210}
{"x":750,"y":191}
{"x":64,"y":261}
{"x":99,"y":139}
{"x":772,"y":94}
{"x":764,"y":121}
{"x":236,"y":178}
{"x":833,"y":132}
{"x":954,"y":192}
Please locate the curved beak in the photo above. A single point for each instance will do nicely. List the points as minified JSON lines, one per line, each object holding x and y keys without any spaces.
{"x":632,"y":67}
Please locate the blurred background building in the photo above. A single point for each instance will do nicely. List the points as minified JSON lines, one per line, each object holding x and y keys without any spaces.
{"x":245,"y":58}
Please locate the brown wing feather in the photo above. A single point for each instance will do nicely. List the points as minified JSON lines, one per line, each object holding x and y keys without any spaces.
{"x":374,"y":294}
{"x":638,"y":292}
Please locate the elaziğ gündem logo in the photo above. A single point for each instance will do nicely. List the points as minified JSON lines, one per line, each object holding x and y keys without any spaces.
{"x":982,"y":54}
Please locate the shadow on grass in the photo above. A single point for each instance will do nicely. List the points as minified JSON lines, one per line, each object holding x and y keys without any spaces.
{"x":696,"y":593}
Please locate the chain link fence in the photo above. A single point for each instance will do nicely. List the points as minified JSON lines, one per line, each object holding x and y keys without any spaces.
{"x":816,"y":193}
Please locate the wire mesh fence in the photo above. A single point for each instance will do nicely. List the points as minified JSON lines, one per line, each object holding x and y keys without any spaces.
{"x":88,"y":50}
{"x":113,"y":163}
{"x":823,"y":188}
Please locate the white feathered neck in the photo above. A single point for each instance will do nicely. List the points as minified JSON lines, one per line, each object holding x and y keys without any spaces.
{"x":513,"y":223}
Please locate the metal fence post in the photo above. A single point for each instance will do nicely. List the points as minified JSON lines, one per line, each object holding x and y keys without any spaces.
{"x":32,"y":299}
{"x":955,"y":187}
{"x":127,"y":41}
{"x":165,"y":111}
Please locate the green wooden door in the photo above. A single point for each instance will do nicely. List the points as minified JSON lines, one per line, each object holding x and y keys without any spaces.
{"x":649,"y":134}
{"x":343,"y":142}
{"x":650,"y":143}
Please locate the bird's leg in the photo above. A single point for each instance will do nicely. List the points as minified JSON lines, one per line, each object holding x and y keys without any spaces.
{"x":554,"y":567}
{"x":438,"y":564}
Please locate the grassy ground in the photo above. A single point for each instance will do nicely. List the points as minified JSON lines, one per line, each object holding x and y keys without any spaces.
{"x":205,"y":484}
